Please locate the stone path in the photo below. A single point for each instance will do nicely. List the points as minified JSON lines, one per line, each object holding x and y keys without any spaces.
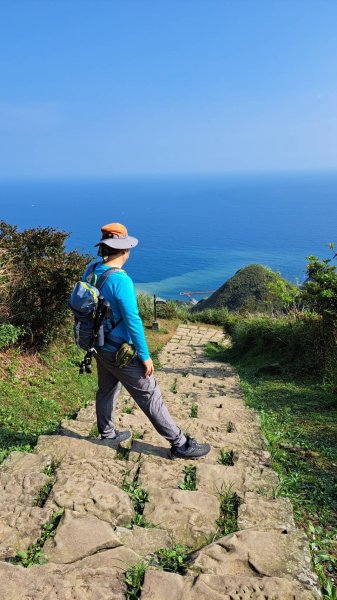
{"x":266,"y":558}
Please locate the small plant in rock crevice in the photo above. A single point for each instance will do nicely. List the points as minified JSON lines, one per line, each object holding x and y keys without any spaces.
{"x":226,"y":457}
{"x":134,"y":579}
{"x":173,"y":559}
{"x":122,"y":453}
{"x":93,"y":433}
{"x":190,"y":479}
{"x":51,"y":469}
{"x":229,"y":506}
{"x":139,"y":496}
{"x":173,"y":387}
{"x":230,"y":427}
{"x":34,"y":554}
{"x":194,"y":410}
{"x":43,"y":494}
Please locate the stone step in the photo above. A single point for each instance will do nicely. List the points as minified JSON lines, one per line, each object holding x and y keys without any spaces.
{"x":96,"y":540}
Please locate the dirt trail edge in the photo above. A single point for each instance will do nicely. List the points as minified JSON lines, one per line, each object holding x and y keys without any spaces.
{"x":122,"y":506}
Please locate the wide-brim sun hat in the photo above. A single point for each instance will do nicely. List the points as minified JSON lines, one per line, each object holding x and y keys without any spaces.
{"x":115,"y":235}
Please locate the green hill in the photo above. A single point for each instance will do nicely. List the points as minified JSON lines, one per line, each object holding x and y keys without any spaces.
{"x":248,"y":290}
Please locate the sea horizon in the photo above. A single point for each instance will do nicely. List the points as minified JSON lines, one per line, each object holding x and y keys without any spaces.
{"x":195,"y":230}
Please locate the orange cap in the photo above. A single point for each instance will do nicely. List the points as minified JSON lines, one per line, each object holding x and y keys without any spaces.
{"x":116,"y":229}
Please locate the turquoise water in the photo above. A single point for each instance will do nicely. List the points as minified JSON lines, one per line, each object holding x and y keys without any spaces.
{"x":194,"y":232}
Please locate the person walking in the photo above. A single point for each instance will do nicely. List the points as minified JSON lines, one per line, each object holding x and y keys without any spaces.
{"x":137,"y":376}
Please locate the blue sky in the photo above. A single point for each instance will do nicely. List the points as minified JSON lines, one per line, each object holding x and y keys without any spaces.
{"x":118,"y":87}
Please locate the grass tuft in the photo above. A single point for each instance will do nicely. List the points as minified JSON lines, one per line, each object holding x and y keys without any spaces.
{"x":226,"y":457}
{"x":194,"y":410}
{"x":229,"y":505}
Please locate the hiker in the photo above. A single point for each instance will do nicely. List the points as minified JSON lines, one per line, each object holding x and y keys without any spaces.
{"x":137,"y":376}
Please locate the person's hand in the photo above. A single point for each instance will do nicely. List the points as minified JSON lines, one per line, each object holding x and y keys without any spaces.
{"x":149,"y":368}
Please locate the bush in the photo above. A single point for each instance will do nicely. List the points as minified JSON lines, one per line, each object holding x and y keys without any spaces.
{"x":9,"y":334}
{"x":296,"y":342}
{"x":212,"y":316}
{"x":145,"y":305}
{"x":167,"y":310}
{"x":320,"y":290}
{"x":36,"y":276}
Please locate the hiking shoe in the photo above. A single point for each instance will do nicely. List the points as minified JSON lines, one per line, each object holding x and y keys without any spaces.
{"x":191,"y":449}
{"x":120,"y":436}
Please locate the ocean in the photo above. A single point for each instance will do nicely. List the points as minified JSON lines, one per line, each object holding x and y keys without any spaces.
{"x":194,"y":231}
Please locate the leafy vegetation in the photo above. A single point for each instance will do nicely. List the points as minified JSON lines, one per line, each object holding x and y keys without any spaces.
{"x":51,"y":469}
{"x":34,"y":554}
{"x":173,"y":387}
{"x":252,"y":288}
{"x":230,"y":427}
{"x":226,"y":457}
{"x":43,"y":494}
{"x":34,"y":297}
{"x":9,"y":335}
{"x":167,"y":310}
{"x":38,"y":391}
{"x":139,"y":497}
{"x":173,"y":559}
{"x":134,"y":579}
{"x":194,"y":410}
{"x":298,"y":418}
{"x":229,"y":505}
{"x":190,"y":479}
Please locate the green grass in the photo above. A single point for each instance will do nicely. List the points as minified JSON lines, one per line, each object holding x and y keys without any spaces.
{"x":42,"y":496}
{"x":298,"y":419}
{"x":37,"y":392}
{"x":229,"y":505}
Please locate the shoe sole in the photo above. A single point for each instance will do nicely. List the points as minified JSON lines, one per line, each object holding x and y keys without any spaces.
{"x":174,"y":456}
{"x":112,"y":442}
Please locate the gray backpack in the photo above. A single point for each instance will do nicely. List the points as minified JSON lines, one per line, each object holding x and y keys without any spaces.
{"x":90,"y":309}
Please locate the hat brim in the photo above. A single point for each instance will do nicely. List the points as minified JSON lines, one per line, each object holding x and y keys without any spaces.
{"x":119,"y":243}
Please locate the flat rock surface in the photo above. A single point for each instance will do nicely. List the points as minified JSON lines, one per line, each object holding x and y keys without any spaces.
{"x":97,"y":539}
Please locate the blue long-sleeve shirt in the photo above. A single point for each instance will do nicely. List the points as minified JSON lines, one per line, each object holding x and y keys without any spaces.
{"x":119,"y":290}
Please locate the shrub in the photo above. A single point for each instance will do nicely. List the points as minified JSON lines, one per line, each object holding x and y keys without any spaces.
{"x":37,"y":274}
{"x":165,"y":310}
{"x":320,"y":291}
{"x":297,"y":342}
{"x":145,"y":305}
{"x":212,"y":316}
{"x":9,"y":334}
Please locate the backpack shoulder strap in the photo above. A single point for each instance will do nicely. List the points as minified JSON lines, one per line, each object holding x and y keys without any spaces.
{"x":91,"y":270}
{"x":99,"y":284}
{"x":102,"y":279}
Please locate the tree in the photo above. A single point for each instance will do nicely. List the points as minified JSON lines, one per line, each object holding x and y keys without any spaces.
{"x":36,"y":277}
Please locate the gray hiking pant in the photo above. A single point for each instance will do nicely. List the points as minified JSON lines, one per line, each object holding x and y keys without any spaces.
{"x":144,"y":391}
